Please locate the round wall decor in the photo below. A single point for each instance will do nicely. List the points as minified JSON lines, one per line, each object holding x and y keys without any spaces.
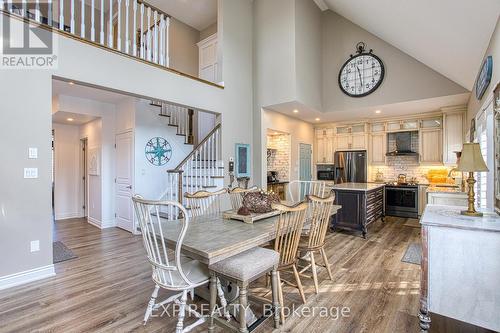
{"x":158,"y":151}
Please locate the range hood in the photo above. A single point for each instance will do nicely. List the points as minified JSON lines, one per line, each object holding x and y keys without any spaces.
{"x":400,"y":143}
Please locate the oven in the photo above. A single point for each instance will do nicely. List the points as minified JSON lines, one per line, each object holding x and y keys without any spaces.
{"x":401,"y":201}
{"x":325,"y":172}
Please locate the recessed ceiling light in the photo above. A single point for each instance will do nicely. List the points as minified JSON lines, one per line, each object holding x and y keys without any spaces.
{"x":317,"y":119}
{"x":70,"y":119}
{"x":378,"y":111}
{"x":295,"y":111}
{"x":71,"y":82}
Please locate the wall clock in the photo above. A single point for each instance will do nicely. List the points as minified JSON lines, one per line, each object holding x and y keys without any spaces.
{"x":362,"y":73}
{"x":158,"y":151}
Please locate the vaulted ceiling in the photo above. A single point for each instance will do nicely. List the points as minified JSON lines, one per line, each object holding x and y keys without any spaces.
{"x":449,"y":36}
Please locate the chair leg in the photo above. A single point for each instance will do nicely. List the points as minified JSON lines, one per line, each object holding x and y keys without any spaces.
{"x":280,"y":297}
{"x":276,"y":301}
{"x":182,"y":312}
{"x":152,"y":302}
{"x":223,"y":301}
{"x":299,"y":284}
{"x":213,"y":302}
{"x":243,"y":308}
{"x":327,"y":264}
{"x":314,"y":272}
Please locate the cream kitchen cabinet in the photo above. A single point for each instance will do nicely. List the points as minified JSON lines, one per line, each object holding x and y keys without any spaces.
{"x":431,"y":146}
{"x":343,"y":142}
{"x":402,"y":125}
{"x":453,"y":136}
{"x":377,"y":148}
{"x":422,"y":198}
{"x":324,"y":145}
{"x":351,"y":142}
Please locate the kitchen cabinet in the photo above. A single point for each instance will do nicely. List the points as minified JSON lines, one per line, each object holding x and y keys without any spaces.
{"x":402,"y":125}
{"x":324,"y":145}
{"x":351,"y":137}
{"x":453,"y":136}
{"x":377,"y":127}
{"x":431,"y":146}
{"x":447,"y":198}
{"x":434,"y":122}
{"x":278,"y":188}
{"x":343,"y":142}
{"x":422,"y":198}
{"x":377,"y":148}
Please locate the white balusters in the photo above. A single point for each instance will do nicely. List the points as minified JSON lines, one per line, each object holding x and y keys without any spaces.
{"x":110,"y":29}
{"x":167,"y":39}
{"x":141,"y":32}
{"x":61,"y":15}
{"x":37,"y":10}
{"x":1,"y":4}
{"x":134,"y":44}
{"x":92,"y":20}
{"x":49,"y":12}
{"x":127,"y":39}
{"x":162,"y":42}
{"x":148,"y":33}
{"x":9,"y":6}
{"x":155,"y":37}
{"x":82,"y":24}
{"x":119,"y":24}
{"x":24,"y":9}
{"x":72,"y":20}
{"x":101,"y":27}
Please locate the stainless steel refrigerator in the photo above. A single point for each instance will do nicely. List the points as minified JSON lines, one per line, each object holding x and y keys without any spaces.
{"x":350,"y":167}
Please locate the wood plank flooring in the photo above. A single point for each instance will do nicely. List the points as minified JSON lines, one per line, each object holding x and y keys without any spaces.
{"x":107,"y":287}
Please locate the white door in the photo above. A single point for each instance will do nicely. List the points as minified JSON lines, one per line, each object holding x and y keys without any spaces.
{"x":124,"y":174}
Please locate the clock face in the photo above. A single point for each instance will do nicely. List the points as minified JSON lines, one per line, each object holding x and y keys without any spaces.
{"x":158,"y":151}
{"x":361,"y":75}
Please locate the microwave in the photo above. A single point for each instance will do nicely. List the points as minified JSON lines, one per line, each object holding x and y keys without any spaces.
{"x":325,"y":172}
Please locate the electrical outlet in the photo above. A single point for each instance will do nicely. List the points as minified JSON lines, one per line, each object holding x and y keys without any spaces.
{"x":35,"y":246}
{"x":33,"y":153}
{"x":30,"y":173}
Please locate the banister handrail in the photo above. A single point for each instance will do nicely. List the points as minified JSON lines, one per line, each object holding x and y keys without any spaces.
{"x":153,"y":8}
{"x":178,"y":169}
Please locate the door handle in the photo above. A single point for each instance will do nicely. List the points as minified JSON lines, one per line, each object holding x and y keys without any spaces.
{"x":129,"y":187}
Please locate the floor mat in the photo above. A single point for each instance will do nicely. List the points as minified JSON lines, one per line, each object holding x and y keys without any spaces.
{"x":413,"y":254}
{"x":61,"y":252}
{"x":412,"y":223}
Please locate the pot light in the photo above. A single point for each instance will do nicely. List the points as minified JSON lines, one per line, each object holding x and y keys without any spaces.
{"x":378,"y":111}
{"x":295,"y":111}
{"x":71,"y":83}
{"x":70,"y":119}
{"x":317,"y":119}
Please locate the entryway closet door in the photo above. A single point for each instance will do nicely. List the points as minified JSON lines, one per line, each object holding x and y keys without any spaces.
{"x":124,"y":180}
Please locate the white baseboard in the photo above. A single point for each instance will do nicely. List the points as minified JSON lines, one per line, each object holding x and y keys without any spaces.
{"x":94,"y":222}
{"x":67,"y":216}
{"x":101,"y":224}
{"x":31,"y":275}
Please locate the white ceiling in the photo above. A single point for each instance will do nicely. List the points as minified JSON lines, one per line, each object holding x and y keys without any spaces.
{"x":198,"y":14}
{"x":76,"y":90}
{"x":61,"y":117}
{"x":390,"y":110}
{"x":450,"y":36}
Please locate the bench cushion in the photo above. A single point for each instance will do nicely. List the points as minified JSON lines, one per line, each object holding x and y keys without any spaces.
{"x":247,"y":265}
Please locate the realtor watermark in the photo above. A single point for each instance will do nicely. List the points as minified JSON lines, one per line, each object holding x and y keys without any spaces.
{"x":28,"y":44}
{"x":302,"y":311}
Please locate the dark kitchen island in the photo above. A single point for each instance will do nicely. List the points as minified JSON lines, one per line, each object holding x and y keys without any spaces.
{"x":362,"y":204}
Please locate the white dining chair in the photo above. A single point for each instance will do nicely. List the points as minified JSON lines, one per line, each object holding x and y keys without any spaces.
{"x":299,"y":189}
{"x":171,"y":271}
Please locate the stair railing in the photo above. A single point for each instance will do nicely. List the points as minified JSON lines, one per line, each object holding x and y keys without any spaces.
{"x":197,"y":171}
{"x":133,"y":27}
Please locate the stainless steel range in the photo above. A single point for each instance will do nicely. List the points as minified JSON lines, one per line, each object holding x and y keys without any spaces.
{"x":401,"y":199}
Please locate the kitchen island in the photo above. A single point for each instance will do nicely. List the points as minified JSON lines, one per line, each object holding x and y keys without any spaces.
{"x":362,"y":204}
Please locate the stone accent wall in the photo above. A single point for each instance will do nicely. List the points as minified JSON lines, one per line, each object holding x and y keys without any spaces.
{"x":278,"y":158}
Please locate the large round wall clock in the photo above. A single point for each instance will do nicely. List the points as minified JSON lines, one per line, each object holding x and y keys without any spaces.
{"x":158,"y":151}
{"x":362,"y":73}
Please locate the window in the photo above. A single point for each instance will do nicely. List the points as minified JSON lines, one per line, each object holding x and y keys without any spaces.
{"x":484,"y":136}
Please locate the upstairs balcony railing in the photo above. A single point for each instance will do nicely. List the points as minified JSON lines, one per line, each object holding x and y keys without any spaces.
{"x":128,"y":26}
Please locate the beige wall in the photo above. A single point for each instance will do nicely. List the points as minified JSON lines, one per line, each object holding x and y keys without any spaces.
{"x":300,"y":132}
{"x":208,"y":31}
{"x":406,"y":79}
{"x":493,"y":50}
{"x":183,"y":48}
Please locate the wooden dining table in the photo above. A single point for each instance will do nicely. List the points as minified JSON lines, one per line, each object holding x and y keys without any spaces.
{"x":211,"y":238}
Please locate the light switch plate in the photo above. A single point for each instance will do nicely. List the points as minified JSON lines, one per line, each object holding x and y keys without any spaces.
{"x":32,"y":153}
{"x":35,"y":246}
{"x":30,"y":173}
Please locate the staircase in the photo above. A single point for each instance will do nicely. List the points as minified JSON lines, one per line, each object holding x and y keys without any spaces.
{"x":202,"y":169}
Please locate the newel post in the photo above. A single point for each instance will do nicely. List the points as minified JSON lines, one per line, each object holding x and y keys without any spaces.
{"x":190,"y":136}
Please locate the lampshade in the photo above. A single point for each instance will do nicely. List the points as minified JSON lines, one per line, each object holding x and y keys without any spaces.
{"x":471,"y":159}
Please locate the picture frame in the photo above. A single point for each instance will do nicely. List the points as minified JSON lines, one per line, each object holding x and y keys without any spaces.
{"x":94,"y":162}
{"x":242,"y":160}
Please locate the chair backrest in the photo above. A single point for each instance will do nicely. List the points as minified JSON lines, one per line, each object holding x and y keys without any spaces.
{"x":288,"y":231}
{"x":298,"y":189}
{"x":320,"y":210}
{"x":167,"y":268}
{"x":236,"y":195}
{"x":204,"y":202}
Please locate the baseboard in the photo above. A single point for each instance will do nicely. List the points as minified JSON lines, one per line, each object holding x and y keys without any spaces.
{"x":67,"y":216}
{"x":31,"y":275}
{"x":101,"y":224}
{"x":95,"y":222}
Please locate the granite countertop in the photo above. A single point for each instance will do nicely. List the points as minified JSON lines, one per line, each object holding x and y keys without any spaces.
{"x":278,"y":182}
{"x":449,"y":216}
{"x":357,"y":186}
{"x":441,"y":189}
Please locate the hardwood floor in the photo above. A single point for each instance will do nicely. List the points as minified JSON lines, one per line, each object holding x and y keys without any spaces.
{"x":107,"y":287}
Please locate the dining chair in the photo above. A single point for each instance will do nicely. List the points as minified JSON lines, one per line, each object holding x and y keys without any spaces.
{"x":298,"y":189}
{"x":314,"y":240}
{"x":171,"y":271}
{"x":288,"y":230}
{"x":236,"y":195}
{"x":204,"y":202}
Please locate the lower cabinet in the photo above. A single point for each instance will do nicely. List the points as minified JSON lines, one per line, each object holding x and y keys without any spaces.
{"x":422,"y":198}
{"x":359,"y":209}
{"x":279,"y":189}
{"x":447,"y":198}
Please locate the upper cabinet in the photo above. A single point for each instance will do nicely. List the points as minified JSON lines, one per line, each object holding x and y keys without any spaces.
{"x":377,"y":148}
{"x":402,"y":125}
{"x":351,"y":137}
{"x":453,"y":135}
{"x":431,"y":146}
{"x":324,"y":145}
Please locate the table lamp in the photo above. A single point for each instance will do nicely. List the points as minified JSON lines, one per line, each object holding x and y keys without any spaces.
{"x":471,"y":161}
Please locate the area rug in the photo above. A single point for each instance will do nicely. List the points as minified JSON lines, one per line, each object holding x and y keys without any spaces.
{"x":413,"y":254}
{"x":414,"y":223}
{"x":61,"y":252}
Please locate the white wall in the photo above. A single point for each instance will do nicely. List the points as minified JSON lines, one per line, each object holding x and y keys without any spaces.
{"x":300,"y":132}
{"x":67,"y":191}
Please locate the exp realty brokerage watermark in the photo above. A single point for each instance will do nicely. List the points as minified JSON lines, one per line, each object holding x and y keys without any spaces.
{"x":28,"y":44}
